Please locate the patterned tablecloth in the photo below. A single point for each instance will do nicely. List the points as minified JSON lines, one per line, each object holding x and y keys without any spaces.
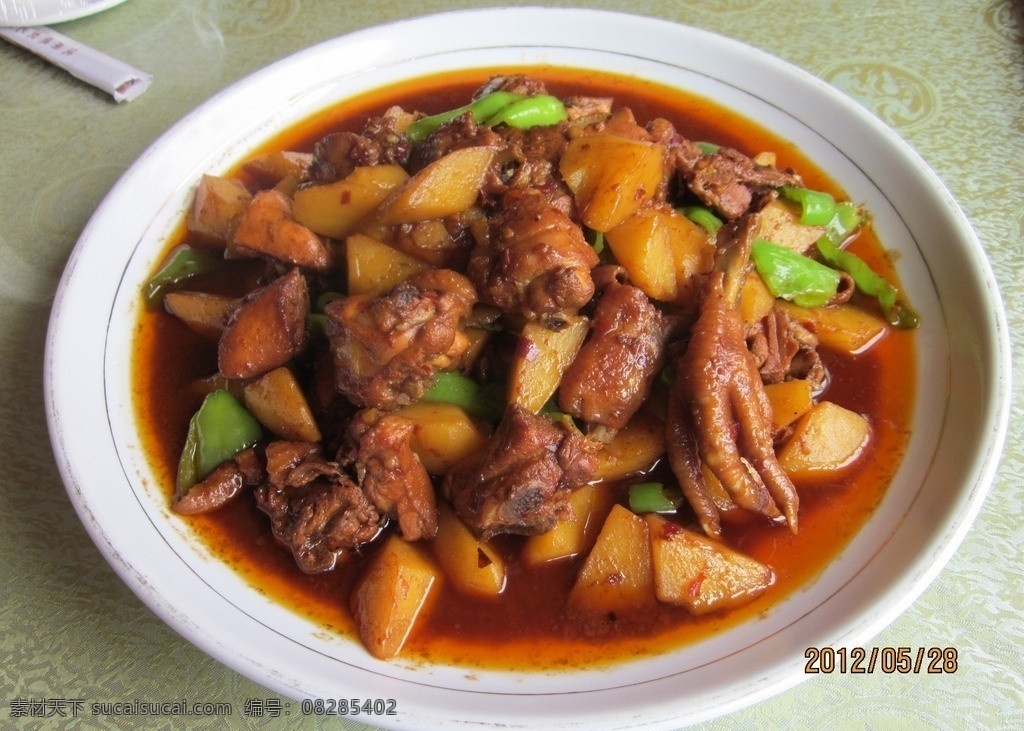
{"x":948,"y":75}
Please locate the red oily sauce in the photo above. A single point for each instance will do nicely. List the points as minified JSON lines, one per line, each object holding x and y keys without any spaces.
{"x":527,"y":626}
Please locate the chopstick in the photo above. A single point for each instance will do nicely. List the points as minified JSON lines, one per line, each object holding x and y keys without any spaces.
{"x":119,"y":79}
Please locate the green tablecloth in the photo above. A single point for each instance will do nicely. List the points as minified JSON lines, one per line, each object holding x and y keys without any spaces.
{"x":946,"y":74}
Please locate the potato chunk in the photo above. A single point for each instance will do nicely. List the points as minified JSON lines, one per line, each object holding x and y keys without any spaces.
{"x":693,"y":252}
{"x":541,"y":359}
{"x":634,"y":449}
{"x":266,"y":329}
{"x":375,"y":268}
{"x":611,"y":176}
{"x":700,"y":573}
{"x":825,"y":439}
{"x":449,"y":185}
{"x":756,"y":300}
{"x":617,"y":575}
{"x":278,"y":403}
{"x":218,"y":205}
{"x":779,"y":222}
{"x":641,"y":246}
{"x":281,"y":169}
{"x":571,"y":536}
{"x":391,"y":595}
{"x":269,"y":228}
{"x":443,"y":434}
{"x":334,"y":210}
{"x":790,"y":400}
{"x":471,"y":564}
{"x":663,"y":251}
{"x":203,"y":313}
{"x":846,"y":328}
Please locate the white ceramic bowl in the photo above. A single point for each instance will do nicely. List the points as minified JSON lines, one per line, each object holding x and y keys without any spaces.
{"x":934,"y":498}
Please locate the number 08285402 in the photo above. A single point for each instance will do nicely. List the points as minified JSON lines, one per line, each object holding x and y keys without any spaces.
{"x":900,"y":660}
{"x":350,"y":707}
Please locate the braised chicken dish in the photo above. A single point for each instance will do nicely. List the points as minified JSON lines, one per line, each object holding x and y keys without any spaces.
{"x":538,"y":358}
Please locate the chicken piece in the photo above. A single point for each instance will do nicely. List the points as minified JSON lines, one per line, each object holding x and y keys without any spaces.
{"x":583,"y":110}
{"x":268,"y":228}
{"x":522,"y":482}
{"x":529,"y":156}
{"x":680,"y":153}
{"x":534,"y":259}
{"x":381,"y":143}
{"x":514,"y":84}
{"x":612,"y":374}
{"x":729,"y":181}
{"x":530,"y":160}
{"x":338,"y":154}
{"x":718,"y":412}
{"x":620,"y":122}
{"x":315,"y":509}
{"x":392,"y":475}
{"x":266,"y":329}
{"x":217,"y":489}
{"x":222,"y":485}
{"x":456,"y":134}
{"x":783,"y":348}
{"x":386,"y":349}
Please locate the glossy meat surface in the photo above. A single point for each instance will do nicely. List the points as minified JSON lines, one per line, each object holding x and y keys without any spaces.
{"x":315,"y":509}
{"x":521,"y":483}
{"x":729,"y":181}
{"x":386,"y":349}
{"x":612,"y":374}
{"x":534,"y":260}
{"x":392,"y":475}
{"x":268,"y":228}
{"x":266,"y":329}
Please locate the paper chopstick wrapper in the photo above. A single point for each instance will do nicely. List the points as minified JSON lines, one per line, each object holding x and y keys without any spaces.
{"x":120,"y":80}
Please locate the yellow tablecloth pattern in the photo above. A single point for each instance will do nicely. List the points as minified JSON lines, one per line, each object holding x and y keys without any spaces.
{"x":947,"y":75}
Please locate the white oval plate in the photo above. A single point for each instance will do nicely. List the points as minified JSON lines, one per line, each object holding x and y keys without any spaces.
{"x":49,"y":12}
{"x":935,"y":496}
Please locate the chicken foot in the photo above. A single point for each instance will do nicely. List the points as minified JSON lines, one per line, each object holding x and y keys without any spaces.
{"x":719,"y":415}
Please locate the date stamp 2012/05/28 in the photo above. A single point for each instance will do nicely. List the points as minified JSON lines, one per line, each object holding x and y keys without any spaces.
{"x":888,"y":659}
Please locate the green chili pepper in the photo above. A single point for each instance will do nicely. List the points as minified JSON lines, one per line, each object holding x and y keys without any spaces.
{"x":793,"y":276}
{"x":551,"y":410}
{"x":704,"y":217}
{"x":499,"y":107}
{"x":595,"y":239}
{"x":316,"y":323}
{"x":541,"y":110}
{"x":848,"y":218}
{"x":219,"y":430}
{"x":453,"y":387}
{"x":653,"y":497}
{"x":483,"y":108}
{"x":894,"y":308}
{"x":707,"y":148}
{"x":817,"y":208}
{"x":183,"y":262}
{"x":667,"y":375}
{"x":325,"y":299}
